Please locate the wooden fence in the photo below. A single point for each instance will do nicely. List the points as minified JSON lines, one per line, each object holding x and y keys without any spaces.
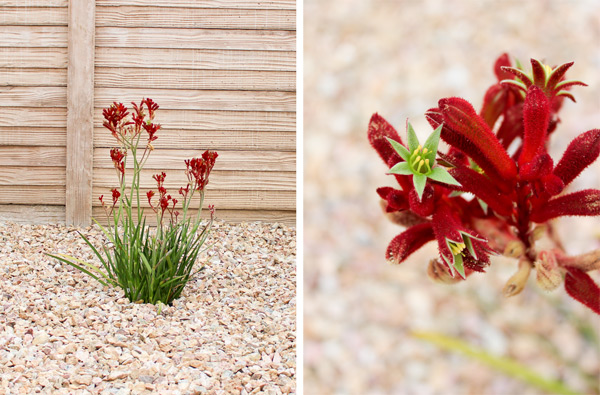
{"x":222,"y":71}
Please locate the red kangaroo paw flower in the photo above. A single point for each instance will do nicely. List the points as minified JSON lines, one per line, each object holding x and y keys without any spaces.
{"x":408,"y":242}
{"x":581,"y":153}
{"x":536,"y":117}
{"x":586,"y":202}
{"x":502,"y":61}
{"x":512,"y":125}
{"x":425,"y":206}
{"x":494,"y":104}
{"x":379,"y":129}
{"x":582,"y":288}
{"x":396,"y":199}
{"x":483,"y":188}
{"x":460,"y":117}
{"x":537,"y":168}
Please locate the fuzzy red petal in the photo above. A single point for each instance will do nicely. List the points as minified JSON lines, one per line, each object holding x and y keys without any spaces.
{"x":539,"y":167}
{"x":396,"y":199}
{"x":586,"y":202}
{"x":379,"y":129}
{"x":582,"y":288}
{"x":503,"y":60}
{"x":581,"y":153}
{"x":494,"y":104}
{"x":408,"y":242}
{"x":481,"y":144}
{"x":483,"y":188}
{"x":512,"y":125}
{"x":425,"y":206}
{"x":558,"y":74}
{"x":536,"y":117}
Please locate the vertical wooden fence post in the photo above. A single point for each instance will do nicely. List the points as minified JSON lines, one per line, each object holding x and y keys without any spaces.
{"x":80,"y":111}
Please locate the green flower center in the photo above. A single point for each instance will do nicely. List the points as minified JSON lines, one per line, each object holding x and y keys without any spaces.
{"x":420,"y":161}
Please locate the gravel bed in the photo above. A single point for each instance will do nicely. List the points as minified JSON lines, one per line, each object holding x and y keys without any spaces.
{"x":232,"y":330}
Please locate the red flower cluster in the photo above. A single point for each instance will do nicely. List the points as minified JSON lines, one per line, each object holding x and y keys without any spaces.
{"x":117,"y":155}
{"x":198,"y":169}
{"x":164,"y":200}
{"x":500,"y":156}
{"x":114,"y":116}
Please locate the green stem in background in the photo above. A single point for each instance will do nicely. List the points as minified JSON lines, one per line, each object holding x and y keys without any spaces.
{"x":501,"y":364}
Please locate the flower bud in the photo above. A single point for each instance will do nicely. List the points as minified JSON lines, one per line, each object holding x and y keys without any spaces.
{"x":517,"y":282}
{"x":548,"y":274}
{"x":439,"y":272}
{"x":514,"y":249}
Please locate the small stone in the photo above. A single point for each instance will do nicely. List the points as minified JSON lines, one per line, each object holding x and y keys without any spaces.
{"x":41,"y":338}
{"x":116,"y":375}
{"x":84,"y":379}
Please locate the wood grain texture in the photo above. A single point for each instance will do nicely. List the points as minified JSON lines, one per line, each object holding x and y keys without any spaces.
{"x":52,"y":58}
{"x":36,"y":117}
{"x":33,"y":16}
{"x":247,"y":4}
{"x":205,"y":59}
{"x":227,"y":160}
{"x":33,"y":77}
{"x":139,"y":37}
{"x":33,"y":175}
{"x":34,"y":3}
{"x":187,"y":99}
{"x":238,"y":80}
{"x":211,"y":120}
{"x":33,"y":36}
{"x":198,"y":18}
{"x":54,"y":137}
{"x":80,"y":104}
{"x":286,"y":217}
{"x":32,"y":194}
{"x":228,"y":199}
{"x":27,"y":214}
{"x":215,"y":139}
{"x":32,"y":156}
{"x":38,"y":96}
{"x":234,"y":180}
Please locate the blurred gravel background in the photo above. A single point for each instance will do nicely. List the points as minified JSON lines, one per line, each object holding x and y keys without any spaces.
{"x":398,"y":58}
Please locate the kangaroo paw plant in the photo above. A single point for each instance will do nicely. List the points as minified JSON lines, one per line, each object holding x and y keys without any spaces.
{"x":150,"y":265}
{"x":496,"y":190}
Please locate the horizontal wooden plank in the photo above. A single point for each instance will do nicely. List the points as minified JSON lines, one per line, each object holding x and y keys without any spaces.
{"x":200,"y":18}
{"x":205,"y":59}
{"x":285,"y":217}
{"x":33,"y":136}
{"x":248,"y":4}
{"x":33,"y":36}
{"x":227,"y":160}
{"x":32,"y":214}
{"x":35,"y":175}
{"x":215,"y":139}
{"x":32,"y":194}
{"x":195,"y":79}
{"x":219,"y":179}
{"x":36,"y":117}
{"x":228,"y":199}
{"x":50,"y":58}
{"x":140,"y":37}
{"x":187,"y":99}
{"x":32,"y":156}
{"x":34,"y":3}
{"x":33,"y":77}
{"x":37,"y":96}
{"x":214,"y":120}
{"x":33,"y":16}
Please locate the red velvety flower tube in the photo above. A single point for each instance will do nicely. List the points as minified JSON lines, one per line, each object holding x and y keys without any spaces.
{"x":536,"y":117}
{"x":586,"y":203}
{"x":581,"y":287}
{"x":467,"y":131}
{"x":408,"y":242}
{"x":580,"y":153}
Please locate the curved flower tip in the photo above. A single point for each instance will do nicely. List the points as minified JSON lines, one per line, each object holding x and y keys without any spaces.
{"x":408,"y":242}
{"x":580,"y":286}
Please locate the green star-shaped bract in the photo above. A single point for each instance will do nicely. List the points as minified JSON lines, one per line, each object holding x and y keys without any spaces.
{"x":419,"y":161}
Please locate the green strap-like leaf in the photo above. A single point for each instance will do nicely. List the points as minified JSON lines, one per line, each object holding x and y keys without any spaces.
{"x":504,"y":365}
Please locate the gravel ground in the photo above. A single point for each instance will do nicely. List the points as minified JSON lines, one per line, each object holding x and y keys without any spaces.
{"x":231,"y":332}
{"x":398,"y":58}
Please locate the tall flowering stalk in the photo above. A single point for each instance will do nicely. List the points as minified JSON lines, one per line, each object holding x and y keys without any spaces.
{"x":149,"y":265}
{"x":496,"y":189}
